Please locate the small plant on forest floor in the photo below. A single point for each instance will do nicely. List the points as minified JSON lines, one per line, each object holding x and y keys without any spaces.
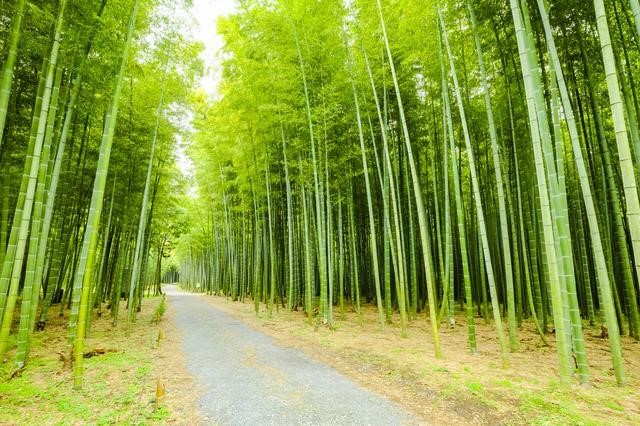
{"x":160,"y":414}
{"x":159,"y":338}
{"x":160,"y":310}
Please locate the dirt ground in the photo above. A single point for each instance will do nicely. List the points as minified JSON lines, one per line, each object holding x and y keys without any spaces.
{"x":170,"y":366}
{"x":475,"y":387}
{"x":119,"y":386}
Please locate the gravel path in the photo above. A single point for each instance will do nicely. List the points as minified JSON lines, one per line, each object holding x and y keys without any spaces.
{"x":250,"y":380}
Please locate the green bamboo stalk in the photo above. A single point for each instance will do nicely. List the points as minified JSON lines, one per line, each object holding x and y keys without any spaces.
{"x":602,"y":271}
{"x":355,"y":271}
{"x":422,"y":219}
{"x":142,"y":223}
{"x":341,"y":271}
{"x":372,"y":229}
{"x":413,"y":266}
{"x":319,"y":199}
{"x":504,"y":224}
{"x":55,"y":175}
{"x":106,"y":245}
{"x":32,"y":285}
{"x":6,"y":74}
{"x":635,"y":9}
{"x":291,"y":278}
{"x":448,"y":290}
{"x":543,"y":193}
{"x":90,"y":240}
{"x":329,"y":230}
{"x":462,"y":233}
{"x":478,"y":200}
{"x":624,"y":151}
{"x":389,"y":189}
{"x":270,"y":228}
{"x":4,"y":217}
{"x":12,"y":246}
{"x":257,"y":232}
{"x":33,"y":161}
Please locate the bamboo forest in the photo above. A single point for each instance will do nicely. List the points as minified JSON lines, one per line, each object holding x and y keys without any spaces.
{"x":430,"y":207}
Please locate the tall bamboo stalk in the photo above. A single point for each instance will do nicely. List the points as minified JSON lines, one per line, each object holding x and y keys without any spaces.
{"x":422,"y":218}
{"x":142,"y":223}
{"x":90,"y":240}
{"x":6,"y":74}
{"x":478,"y":200}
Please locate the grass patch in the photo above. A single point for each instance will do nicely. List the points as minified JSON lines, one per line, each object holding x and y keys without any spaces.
{"x":439,"y":369}
{"x":613,"y":405}
{"x":70,"y":407}
{"x":118,"y":386}
{"x":475,"y":388}
{"x":554,"y":408}
{"x":504,"y":383}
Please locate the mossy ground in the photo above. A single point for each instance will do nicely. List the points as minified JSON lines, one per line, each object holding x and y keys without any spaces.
{"x":119,"y":386}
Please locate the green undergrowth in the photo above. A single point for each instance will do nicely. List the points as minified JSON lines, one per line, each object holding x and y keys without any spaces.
{"x":567,"y":406}
{"x":119,"y":387}
{"x":529,"y":403}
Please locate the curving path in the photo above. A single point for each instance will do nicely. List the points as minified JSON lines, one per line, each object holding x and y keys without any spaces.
{"x":249,"y":380}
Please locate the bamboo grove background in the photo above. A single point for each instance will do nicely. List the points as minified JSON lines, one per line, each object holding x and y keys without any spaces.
{"x":429,"y":158}
{"x":444,"y":161}
{"x":91,"y":94}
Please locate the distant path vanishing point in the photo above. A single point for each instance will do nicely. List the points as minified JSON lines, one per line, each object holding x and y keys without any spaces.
{"x":248,"y":379}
